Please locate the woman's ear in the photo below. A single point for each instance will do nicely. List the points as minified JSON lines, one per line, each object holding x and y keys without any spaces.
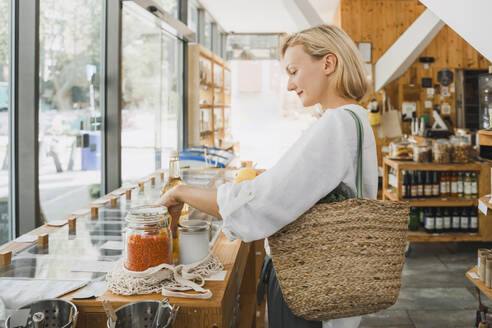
{"x":329,"y":63}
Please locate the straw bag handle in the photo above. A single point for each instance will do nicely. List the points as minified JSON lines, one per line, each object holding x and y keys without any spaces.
{"x":360,"y":142}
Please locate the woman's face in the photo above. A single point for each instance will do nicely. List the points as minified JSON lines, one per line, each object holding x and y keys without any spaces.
{"x":307,"y":75}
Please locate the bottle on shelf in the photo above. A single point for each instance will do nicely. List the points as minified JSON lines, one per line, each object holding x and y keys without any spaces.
{"x":414,"y":183}
{"x":436,"y":184}
{"x":467,"y":182}
{"x":420,"y":184}
{"x":446,"y":218}
{"x":404,"y":185}
{"x":473,"y":220}
{"x":444,"y":184}
{"x":474,"y":185}
{"x":439,"y":225}
{"x":413,"y":221}
{"x":464,"y":220}
{"x":428,"y":184}
{"x":430,"y":221}
{"x":460,"y":184}
{"x":455,"y":220}
{"x":421,"y":216}
{"x":454,"y":185}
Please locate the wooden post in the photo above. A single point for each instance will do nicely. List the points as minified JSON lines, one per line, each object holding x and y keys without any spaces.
{"x":152,"y":181}
{"x":95,"y":211}
{"x":43,"y":240}
{"x":128,"y":193}
{"x":141,"y":186}
{"x":162,"y":176}
{"x":72,"y":223}
{"x":114,"y":202}
{"x":5,"y":258}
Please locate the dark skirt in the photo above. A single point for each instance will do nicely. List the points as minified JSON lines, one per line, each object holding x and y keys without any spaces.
{"x":279,"y":314}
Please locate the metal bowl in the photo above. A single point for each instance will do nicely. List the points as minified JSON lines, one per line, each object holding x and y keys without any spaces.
{"x":57,"y":313}
{"x":140,"y":315}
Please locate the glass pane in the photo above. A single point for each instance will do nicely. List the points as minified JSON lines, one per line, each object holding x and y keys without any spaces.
{"x":5,"y":220}
{"x":208,"y":32}
{"x":152,"y":95}
{"x":252,"y":46}
{"x":69,"y":105}
{"x":171,"y":6}
{"x":193,"y":17}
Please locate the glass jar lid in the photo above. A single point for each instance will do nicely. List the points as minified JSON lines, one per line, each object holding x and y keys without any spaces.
{"x":147,"y":215}
{"x":193,"y":226}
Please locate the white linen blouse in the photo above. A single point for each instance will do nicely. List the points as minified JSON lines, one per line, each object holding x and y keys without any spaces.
{"x":322,"y":158}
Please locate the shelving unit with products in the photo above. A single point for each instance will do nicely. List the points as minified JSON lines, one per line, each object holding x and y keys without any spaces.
{"x":454,"y":201}
{"x":209,"y":99}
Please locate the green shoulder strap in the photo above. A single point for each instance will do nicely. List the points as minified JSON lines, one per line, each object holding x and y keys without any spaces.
{"x":360,"y":143}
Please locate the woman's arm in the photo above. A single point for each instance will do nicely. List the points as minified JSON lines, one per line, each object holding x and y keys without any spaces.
{"x":204,"y":200}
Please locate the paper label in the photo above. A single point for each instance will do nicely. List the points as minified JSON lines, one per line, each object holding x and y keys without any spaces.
{"x":113,"y":245}
{"x":482,"y":207}
{"x":219,"y":276}
{"x":57,"y":223}
{"x":82,"y":211}
{"x":93,"y":266}
{"x":26,"y":239}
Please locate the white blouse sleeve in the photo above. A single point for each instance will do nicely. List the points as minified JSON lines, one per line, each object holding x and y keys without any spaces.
{"x":310,"y":169}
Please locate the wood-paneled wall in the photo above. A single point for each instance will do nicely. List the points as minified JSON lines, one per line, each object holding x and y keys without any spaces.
{"x":381,"y":22}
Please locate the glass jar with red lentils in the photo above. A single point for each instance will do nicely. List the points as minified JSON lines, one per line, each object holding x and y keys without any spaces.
{"x":148,"y":240}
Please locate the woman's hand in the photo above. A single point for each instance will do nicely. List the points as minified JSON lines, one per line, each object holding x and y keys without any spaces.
{"x":174,"y":206}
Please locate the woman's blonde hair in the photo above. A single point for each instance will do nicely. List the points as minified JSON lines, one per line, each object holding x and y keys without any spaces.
{"x":318,"y":41}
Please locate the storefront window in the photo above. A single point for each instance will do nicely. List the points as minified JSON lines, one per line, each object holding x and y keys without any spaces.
{"x":252,"y":46}
{"x":193,"y":17}
{"x":171,"y":6}
{"x":5,"y":219}
{"x":152,"y":95}
{"x":69,"y":105}
{"x":208,"y":32}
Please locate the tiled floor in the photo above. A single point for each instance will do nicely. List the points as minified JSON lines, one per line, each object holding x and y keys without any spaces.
{"x":435,"y":291}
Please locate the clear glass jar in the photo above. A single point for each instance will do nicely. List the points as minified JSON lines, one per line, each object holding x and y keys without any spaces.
{"x":422,"y":153}
{"x":194,"y":236}
{"x":441,"y":151}
{"x":147,"y":238}
{"x":401,"y":149}
{"x":462,"y":149}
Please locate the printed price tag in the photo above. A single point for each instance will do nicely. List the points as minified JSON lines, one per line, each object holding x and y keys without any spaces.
{"x":482,"y":207}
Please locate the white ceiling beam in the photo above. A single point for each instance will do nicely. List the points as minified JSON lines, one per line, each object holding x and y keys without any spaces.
{"x":469,"y":19}
{"x":401,"y":55}
{"x":303,"y":13}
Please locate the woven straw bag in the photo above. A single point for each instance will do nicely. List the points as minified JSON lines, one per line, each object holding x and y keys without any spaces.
{"x":344,"y":258}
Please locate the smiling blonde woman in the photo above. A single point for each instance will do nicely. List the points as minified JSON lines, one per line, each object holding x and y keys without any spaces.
{"x":324,"y":67}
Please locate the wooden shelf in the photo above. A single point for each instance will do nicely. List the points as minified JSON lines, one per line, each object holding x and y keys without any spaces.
{"x":414,"y":166}
{"x":480,"y":285}
{"x":435,"y":202}
{"x":423,"y":236}
{"x":205,"y":106}
{"x":205,"y":133}
{"x":485,"y":138}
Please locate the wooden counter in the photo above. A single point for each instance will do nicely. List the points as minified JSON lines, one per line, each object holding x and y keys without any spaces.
{"x":233,"y":300}
{"x":241,"y":261}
